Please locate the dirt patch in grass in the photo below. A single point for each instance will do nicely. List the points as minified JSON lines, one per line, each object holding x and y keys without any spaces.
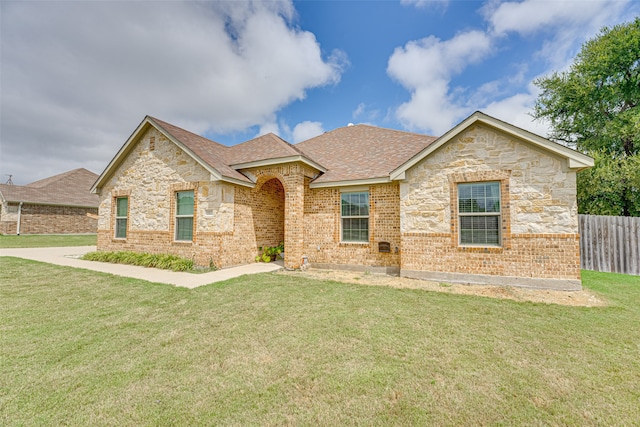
{"x":583,"y":298}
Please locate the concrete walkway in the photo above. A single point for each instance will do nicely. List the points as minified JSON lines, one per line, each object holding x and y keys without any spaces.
{"x":69,"y":256}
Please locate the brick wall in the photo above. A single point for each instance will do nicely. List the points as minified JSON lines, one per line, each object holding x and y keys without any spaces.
{"x":230,"y":221}
{"x":322,"y":228}
{"x":535,"y":256}
{"x":539,"y":228}
{"x":418,"y":216}
{"x":44,"y":219}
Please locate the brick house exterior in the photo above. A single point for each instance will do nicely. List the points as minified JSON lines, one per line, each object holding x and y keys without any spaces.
{"x":61,"y":204}
{"x":485,"y":203}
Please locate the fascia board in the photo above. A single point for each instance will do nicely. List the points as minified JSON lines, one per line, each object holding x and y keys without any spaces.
{"x":350,"y":183}
{"x":238,"y":182}
{"x":120,"y":155}
{"x":278,"y":161}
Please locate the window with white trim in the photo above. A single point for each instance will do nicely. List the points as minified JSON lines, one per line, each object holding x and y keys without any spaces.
{"x":479,"y":213}
{"x":354,"y":215}
{"x":122,"y":211}
{"x":184,"y":215}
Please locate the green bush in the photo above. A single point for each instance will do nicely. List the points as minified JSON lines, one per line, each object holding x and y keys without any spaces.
{"x":163,"y":261}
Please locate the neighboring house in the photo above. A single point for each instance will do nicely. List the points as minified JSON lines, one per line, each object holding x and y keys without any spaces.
{"x":61,"y":204}
{"x":485,"y":203}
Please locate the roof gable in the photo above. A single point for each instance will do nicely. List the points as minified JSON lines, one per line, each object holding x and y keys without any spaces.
{"x":209,"y":154}
{"x":575,"y":160}
{"x":265,"y":150}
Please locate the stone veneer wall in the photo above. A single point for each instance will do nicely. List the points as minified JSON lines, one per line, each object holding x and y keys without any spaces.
{"x":322,"y":230}
{"x":49,"y":219}
{"x":230,"y":221}
{"x":539,"y":214}
{"x":151,"y":174}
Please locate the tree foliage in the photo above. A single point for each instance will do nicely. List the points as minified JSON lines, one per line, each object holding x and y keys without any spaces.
{"x":610,"y":186}
{"x":595,"y":107}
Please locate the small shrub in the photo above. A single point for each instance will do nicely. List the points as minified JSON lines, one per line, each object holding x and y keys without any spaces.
{"x":270,"y":253}
{"x":164,"y":261}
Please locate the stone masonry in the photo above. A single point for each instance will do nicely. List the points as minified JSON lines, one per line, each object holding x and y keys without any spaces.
{"x":539,"y":213}
{"x":417,"y":217}
{"x":231,"y":222}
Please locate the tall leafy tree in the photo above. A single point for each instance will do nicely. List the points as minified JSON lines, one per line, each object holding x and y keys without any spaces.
{"x":595,"y":107}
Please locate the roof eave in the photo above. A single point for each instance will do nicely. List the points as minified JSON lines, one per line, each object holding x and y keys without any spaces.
{"x":236,"y":181}
{"x":350,"y":182}
{"x":279,"y":161}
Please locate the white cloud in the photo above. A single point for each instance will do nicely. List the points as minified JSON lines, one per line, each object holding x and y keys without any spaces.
{"x":515,"y":109}
{"x":79,"y":76}
{"x":424,"y":3}
{"x":269,"y":127}
{"x":425,"y":67}
{"x":529,"y":16}
{"x":305,"y":130}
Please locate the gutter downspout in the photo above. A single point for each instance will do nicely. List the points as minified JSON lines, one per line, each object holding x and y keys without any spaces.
{"x":19,"y":215}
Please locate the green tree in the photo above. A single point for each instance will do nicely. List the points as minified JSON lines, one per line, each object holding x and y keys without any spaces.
{"x":595,"y":107}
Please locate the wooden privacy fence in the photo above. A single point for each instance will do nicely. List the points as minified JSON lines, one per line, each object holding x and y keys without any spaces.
{"x":610,"y":243}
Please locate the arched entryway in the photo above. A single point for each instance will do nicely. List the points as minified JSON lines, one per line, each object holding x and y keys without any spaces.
{"x":269,"y":214}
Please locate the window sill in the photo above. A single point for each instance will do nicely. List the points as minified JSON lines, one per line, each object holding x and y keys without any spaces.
{"x":484,"y":249}
{"x":355,"y":243}
{"x":182,"y":242}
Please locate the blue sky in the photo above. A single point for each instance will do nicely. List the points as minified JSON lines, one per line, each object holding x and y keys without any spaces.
{"x":77,"y":77}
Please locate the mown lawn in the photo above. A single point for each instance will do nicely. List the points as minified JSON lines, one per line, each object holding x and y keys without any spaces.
{"x":85,"y":348}
{"x":47,"y":240}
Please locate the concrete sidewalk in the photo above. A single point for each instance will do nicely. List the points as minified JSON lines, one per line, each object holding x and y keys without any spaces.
{"x":69,"y":256}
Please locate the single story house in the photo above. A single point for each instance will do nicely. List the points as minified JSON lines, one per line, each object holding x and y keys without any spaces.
{"x":61,"y":204}
{"x":487,"y":202}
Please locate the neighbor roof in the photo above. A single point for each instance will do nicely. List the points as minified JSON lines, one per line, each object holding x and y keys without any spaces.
{"x":70,"y":188}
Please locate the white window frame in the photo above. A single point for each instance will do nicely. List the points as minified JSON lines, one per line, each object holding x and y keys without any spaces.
{"x":497,"y":215}
{"x":178,"y":217}
{"x":120,"y":218}
{"x":343,"y":217}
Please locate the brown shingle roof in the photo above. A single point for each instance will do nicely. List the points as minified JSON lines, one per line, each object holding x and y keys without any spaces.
{"x":221,"y":157}
{"x":362,"y":152}
{"x":352,"y":153}
{"x":264,"y":147}
{"x":70,"y":188}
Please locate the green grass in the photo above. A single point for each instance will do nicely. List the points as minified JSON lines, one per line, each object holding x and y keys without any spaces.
{"x":47,"y":240}
{"x":85,"y":348}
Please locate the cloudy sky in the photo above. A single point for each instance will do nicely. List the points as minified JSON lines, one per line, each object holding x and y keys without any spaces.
{"x":77,"y":77}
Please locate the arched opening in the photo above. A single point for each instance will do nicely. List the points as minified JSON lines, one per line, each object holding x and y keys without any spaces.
{"x":268,"y":214}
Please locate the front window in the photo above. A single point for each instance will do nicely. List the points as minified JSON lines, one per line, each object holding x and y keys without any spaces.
{"x":479,"y":213}
{"x":122,"y":210}
{"x":354,"y":210}
{"x":184,"y":215}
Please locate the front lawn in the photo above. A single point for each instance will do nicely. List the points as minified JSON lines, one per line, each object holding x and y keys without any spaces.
{"x":85,"y":348}
{"x":47,"y":240}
